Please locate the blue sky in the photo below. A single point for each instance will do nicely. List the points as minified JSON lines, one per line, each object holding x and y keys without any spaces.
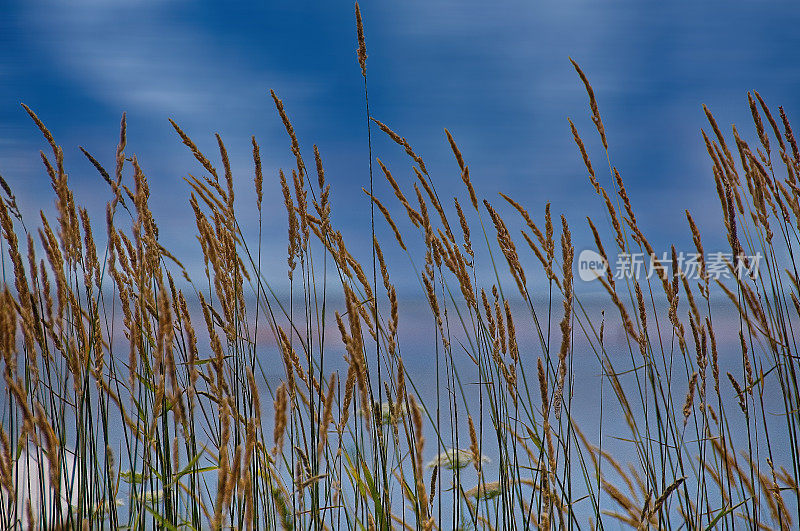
{"x":496,"y":74}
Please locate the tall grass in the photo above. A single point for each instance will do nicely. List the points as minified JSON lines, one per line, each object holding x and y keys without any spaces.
{"x":137,"y":396}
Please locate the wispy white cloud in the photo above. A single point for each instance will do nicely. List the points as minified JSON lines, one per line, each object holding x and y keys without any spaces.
{"x":146,"y":57}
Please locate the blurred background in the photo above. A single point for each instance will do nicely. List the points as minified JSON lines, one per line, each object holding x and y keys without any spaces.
{"x":496,"y":74}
